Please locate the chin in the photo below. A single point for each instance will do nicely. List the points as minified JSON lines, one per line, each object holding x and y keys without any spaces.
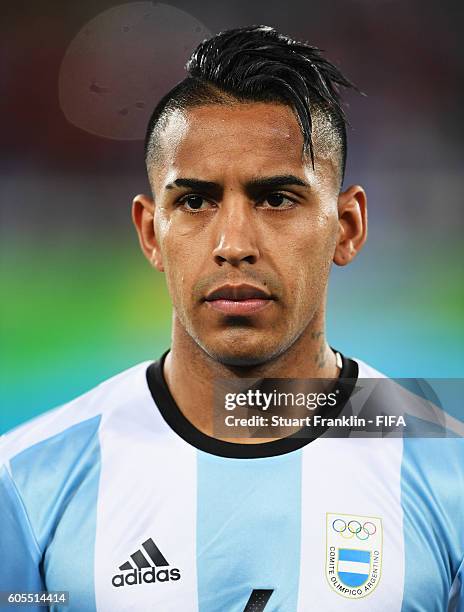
{"x":242,"y":353}
{"x":240,"y":360}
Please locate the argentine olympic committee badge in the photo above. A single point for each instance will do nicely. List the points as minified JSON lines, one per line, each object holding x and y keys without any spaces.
{"x":354,"y":554}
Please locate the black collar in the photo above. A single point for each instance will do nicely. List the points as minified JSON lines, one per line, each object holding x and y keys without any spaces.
{"x":184,"y":428}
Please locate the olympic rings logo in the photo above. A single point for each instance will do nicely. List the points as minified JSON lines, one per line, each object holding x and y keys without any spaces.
{"x":354,"y":529}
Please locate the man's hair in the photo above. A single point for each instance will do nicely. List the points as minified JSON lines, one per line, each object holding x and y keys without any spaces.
{"x":257,"y":64}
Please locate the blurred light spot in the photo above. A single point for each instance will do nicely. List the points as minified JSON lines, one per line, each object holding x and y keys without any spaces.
{"x":133,"y":53}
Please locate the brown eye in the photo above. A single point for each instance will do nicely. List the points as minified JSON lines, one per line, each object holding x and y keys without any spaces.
{"x":193,"y":202}
{"x":275,"y":199}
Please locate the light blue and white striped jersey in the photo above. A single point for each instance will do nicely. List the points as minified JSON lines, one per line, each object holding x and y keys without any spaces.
{"x":117,"y":499}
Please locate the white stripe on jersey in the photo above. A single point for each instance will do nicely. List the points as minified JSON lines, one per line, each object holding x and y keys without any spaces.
{"x":148,"y":489}
{"x":338,"y":476}
{"x":359,"y":477}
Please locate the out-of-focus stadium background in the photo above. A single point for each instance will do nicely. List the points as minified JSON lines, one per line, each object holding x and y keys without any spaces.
{"x":79,"y":302}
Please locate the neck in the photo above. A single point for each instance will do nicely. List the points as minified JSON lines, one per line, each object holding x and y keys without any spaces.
{"x":190,"y":372}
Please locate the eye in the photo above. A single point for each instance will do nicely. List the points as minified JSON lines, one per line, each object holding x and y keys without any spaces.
{"x":194,"y":203}
{"x":277,"y":200}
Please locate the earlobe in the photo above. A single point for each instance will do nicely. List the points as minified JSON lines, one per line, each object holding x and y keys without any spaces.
{"x":143,"y":211}
{"x":156,"y":260}
{"x":352,"y":224}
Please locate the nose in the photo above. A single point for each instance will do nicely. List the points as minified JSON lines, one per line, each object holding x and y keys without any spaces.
{"x":236,"y":239}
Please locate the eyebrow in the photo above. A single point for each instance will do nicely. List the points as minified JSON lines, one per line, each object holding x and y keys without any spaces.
{"x":193,"y":183}
{"x":276,"y":181}
{"x":253,"y":185}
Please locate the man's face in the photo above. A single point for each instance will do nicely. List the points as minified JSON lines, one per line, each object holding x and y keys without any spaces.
{"x":245,"y":228}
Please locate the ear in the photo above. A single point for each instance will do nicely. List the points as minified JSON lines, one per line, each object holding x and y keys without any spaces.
{"x":143,"y":212}
{"x":352,"y":224}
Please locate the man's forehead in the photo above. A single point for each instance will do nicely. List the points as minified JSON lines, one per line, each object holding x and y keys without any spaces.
{"x":270,"y":120}
{"x":211,"y":129}
{"x":255,"y":138}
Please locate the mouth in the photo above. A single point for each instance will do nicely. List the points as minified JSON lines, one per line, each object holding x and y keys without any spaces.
{"x":238,"y":300}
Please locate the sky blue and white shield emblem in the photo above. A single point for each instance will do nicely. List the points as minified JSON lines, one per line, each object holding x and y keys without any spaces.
{"x":354,"y":554}
{"x":353,"y":566}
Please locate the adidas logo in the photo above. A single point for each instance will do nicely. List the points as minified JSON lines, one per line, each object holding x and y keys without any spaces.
{"x":146,"y":561}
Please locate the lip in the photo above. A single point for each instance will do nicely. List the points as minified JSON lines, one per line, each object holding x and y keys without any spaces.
{"x":240,"y":292}
{"x":240,"y":299}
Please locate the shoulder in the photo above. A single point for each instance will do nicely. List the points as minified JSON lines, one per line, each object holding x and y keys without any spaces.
{"x":83,"y":413}
{"x":415,"y":399}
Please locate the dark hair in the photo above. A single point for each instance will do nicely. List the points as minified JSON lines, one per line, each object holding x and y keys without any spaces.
{"x":257,"y":64}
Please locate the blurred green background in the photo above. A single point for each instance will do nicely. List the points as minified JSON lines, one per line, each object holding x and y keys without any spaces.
{"x":80,"y":303}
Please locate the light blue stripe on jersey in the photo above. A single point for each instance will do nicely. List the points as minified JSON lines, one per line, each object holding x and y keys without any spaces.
{"x":248,"y":531}
{"x":362,"y":556}
{"x":433,"y":525}
{"x":57,"y":479}
{"x":19,"y":554}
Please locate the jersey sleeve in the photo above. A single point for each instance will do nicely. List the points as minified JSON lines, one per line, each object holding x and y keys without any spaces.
{"x":20,"y":556}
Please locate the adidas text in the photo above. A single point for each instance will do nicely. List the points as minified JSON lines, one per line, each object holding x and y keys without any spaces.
{"x":149,"y":576}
